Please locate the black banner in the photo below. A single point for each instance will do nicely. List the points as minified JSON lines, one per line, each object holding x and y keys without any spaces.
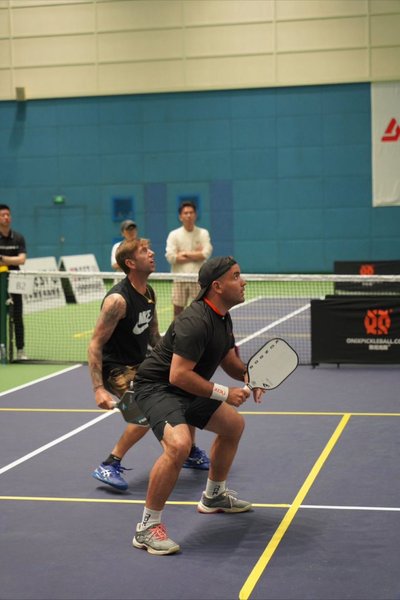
{"x":375,"y":267}
{"x":355,"y":329}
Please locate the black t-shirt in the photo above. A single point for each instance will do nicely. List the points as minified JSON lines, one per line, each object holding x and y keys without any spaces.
{"x":198,"y":334}
{"x":12,"y":245}
{"x":129,"y":341}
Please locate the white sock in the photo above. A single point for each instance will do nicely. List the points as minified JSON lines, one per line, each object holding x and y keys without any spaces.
{"x":214,"y":488}
{"x":150,"y":517}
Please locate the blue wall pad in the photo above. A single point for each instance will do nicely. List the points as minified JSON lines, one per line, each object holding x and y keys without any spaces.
{"x":283,"y":174}
{"x":155,"y":219}
{"x":221,"y":215}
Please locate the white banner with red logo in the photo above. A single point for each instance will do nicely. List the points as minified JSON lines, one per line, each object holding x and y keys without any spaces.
{"x":385,"y":115}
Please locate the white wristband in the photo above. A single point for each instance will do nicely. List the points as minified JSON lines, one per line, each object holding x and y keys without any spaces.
{"x":220,"y":392}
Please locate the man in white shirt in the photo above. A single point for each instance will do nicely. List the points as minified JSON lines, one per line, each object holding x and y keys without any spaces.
{"x":188,"y":247}
{"x":129,"y":231}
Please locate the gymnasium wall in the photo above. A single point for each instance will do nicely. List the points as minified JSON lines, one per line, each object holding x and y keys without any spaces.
{"x":261,"y":109}
{"x":65,"y":48}
{"x":283,"y":175}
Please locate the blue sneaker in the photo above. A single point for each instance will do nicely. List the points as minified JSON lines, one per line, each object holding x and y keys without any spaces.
{"x":197,"y":459}
{"x":111,"y":475}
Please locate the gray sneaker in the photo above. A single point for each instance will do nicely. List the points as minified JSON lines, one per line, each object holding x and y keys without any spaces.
{"x":225,"y":502}
{"x":155,"y":540}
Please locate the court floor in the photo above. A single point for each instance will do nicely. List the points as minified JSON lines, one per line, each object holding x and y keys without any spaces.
{"x":319,"y":459}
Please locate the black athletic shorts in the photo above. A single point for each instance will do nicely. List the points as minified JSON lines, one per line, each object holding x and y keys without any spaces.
{"x":162,"y":406}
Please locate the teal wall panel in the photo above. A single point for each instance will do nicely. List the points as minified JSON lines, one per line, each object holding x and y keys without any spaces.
{"x":284,"y":174}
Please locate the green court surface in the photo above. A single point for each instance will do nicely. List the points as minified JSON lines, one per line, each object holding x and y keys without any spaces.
{"x":14,"y":375}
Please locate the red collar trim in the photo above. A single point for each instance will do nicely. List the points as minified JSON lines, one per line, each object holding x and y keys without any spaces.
{"x":213,"y":307}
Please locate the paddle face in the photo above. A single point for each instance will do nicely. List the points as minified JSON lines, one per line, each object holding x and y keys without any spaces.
{"x":130,"y":410}
{"x":271,"y":364}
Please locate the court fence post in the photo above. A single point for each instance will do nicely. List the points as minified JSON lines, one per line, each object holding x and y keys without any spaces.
{"x":3,"y":314}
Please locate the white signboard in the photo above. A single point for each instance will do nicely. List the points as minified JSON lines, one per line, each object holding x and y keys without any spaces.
{"x":46,"y":291}
{"x":83,"y":289}
{"x":20,"y":284}
{"x":385,"y":112}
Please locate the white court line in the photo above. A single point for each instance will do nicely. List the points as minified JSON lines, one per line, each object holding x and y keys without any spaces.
{"x":378,"y":508}
{"x":44,"y":378}
{"x":63,"y":437}
{"x":271,"y":325}
{"x":246,"y":303}
{"x":55,"y":442}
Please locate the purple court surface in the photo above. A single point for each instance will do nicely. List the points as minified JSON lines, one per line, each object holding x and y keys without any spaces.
{"x":319,"y":459}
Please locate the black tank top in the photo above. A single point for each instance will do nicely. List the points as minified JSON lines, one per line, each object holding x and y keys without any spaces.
{"x":129,"y":341}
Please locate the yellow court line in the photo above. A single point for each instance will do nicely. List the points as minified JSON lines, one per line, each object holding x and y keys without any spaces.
{"x":251,"y":413}
{"x":82,"y":334}
{"x":266,"y":556}
{"x":68,"y":410}
{"x":53,"y":499}
{"x":319,"y":414}
{"x":117,"y":501}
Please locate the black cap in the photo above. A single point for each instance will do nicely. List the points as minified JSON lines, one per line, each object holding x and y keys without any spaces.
{"x":213,"y":269}
{"x":128,"y":224}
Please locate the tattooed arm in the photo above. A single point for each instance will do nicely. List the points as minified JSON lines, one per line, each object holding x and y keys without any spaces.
{"x":112,"y":311}
{"x":154,"y":336}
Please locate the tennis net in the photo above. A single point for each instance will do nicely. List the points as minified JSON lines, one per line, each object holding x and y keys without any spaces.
{"x":61,"y":308}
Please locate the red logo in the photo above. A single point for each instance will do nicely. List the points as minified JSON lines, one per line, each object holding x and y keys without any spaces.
{"x":367,"y":270}
{"x":392,"y":133}
{"x":377,"y":322}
